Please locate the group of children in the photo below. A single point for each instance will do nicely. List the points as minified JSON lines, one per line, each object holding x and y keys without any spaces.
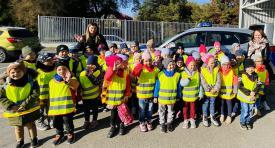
{"x":46,"y":91}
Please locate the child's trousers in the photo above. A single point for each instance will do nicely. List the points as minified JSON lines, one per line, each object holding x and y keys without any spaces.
{"x":162,"y":113}
{"x":189,"y":108}
{"x":145,"y":110}
{"x":19,"y":131}
{"x":226,"y":104}
{"x":90,"y":104}
{"x":67,"y":120}
{"x":246,"y":113}
{"x":207,"y":101}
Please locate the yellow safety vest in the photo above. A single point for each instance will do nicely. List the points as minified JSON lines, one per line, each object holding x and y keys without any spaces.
{"x":226,"y":91}
{"x":237,"y":70}
{"x":43,"y":80}
{"x":79,"y":66}
{"x":168,"y":88}
{"x":248,"y":84}
{"x":17,"y":95}
{"x":101,"y":61}
{"x":29,"y":65}
{"x":89,"y":90}
{"x":61,"y":102}
{"x":190,"y":92}
{"x":211,"y":79}
{"x":146,"y":83}
{"x":83,"y":60}
{"x":262,"y":78}
{"x":116,"y":89}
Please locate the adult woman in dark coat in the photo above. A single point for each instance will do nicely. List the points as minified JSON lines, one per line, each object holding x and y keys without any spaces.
{"x":92,"y":38}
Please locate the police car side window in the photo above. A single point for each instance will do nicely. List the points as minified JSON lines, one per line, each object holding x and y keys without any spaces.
{"x":244,"y":38}
{"x":190,"y":40}
{"x":212,"y":37}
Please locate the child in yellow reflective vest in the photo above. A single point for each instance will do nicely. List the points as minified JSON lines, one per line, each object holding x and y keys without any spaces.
{"x":249,"y":87}
{"x":264,"y":78}
{"x":46,"y":71}
{"x":229,"y":86}
{"x":211,"y":82}
{"x":88,"y":52}
{"x":190,"y":81}
{"x":90,"y":80}
{"x":20,"y":102}
{"x":62,"y":106}
{"x":166,"y":92}
{"x":75,"y":64}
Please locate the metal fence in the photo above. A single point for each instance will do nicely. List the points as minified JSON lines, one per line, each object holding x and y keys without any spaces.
{"x":53,"y":29}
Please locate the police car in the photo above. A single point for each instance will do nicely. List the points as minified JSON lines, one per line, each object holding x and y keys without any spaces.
{"x":207,"y":35}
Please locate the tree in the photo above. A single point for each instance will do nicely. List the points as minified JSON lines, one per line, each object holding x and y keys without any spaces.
{"x":5,"y":18}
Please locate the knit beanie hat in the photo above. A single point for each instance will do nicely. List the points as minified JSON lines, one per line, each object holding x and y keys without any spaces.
{"x":165,"y":51}
{"x":249,"y":63}
{"x":239,"y":52}
{"x":217,"y":44}
{"x":108,"y":53}
{"x":16,"y":65}
{"x":26,"y":51}
{"x":124,"y":57}
{"x":189,"y":60}
{"x":202,"y":48}
{"x":62,"y":63}
{"x":166,"y":62}
{"x":92,"y":60}
{"x":44,"y":56}
{"x":113,"y":45}
{"x":146,"y":55}
{"x":101,"y":47}
{"x":61,"y":48}
{"x":179,"y":59}
{"x":196,"y":55}
{"x":150,"y":43}
{"x":135,"y":43}
{"x":157,"y":53}
{"x":206,"y":57}
{"x":235,"y":45}
{"x":110,"y":60}
{"x":73,"y":49}
{"x":224,"y":59}
{"x":123,"y":45}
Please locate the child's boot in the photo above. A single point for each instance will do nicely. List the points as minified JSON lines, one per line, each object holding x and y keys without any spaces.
{"x":193,"y":123}
{"x":214,"y":121}
{"x":205,"y":121}
{"x":266,"y":107}
{"x":57,"y":139}
{"x":70,"y":138}
{"x":163,"y":128}
{"x":111,"y":132}
{"x":185,"y":124}
{"x":170,"y":127}
{"x":228,"y":120}
{"x":121,"y":129}
{"x":222,"y":118}
{"x":20,"y":144}
{"x":149,"y":126}
{"x":142,"y":127}
{"x":34,"y":143}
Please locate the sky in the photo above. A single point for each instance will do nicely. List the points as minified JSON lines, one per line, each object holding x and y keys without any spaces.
{"x":127,"y":11}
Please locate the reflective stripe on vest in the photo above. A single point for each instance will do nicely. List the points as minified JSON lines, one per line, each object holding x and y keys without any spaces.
{"x":90,"y":91}
{"x":61,"y":102}
{"x":116,"y":89}
{"x":211,"y":79}
{"x":226,"y":91}
{"x":168,"y":88}
{"x":262,"y":78}
{"x":17,"y":95}
{"x":146,"y":83}
{"x":43,"y":80}
{"x":190,"y":92}
{"x":248,"y":84}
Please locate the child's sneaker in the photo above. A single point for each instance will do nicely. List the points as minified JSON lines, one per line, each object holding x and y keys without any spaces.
{"x":243,"y":126}
{"x":228,"y":120}
{"x":170,"y":127}
{"x":214,"y":121}
{"x":93,"y":124}
{"x":205,"y":121}
{"x":149,"y":126}
{"x":42,"y":126}
{"x":249,"y":126}
{"x":121,"y":129}
{"x":222,"y":118}
{"x":193,"y":123}
{"x":178,"y":114}
{"x":57,"y":139}
{"x":266,"y":107}
{"x":185,"y":124}
{"x":163,"y":128}
{"x":233,"y":114}
{"x":86,"y":125}
{"x":70,"y":138}
{"x":34,"y":143}
{"x":142,"y":127}
{"x":20,"y":144}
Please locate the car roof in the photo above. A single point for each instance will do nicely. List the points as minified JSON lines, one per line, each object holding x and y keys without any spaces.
{"x":10,"y":28}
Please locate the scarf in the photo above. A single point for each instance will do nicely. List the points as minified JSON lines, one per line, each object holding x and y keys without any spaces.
{"x":260,"y":68}
{"x":256,"y":47}
{"x":225,"y":70}
{"x":20,"y":82}
{"x":58,"y":78}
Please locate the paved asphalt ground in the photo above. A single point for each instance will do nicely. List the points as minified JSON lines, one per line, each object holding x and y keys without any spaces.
{"x":226,"y":136}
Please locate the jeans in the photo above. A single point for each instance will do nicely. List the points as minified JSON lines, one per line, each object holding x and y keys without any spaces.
{"x":145,"y":110}
{"x":88,"y":105}
{"x":67,"y":119}
{"x":236,"y":104}
{"x":228,"y":105}
{"x":205,"y":105}
{"x":246,"y":113}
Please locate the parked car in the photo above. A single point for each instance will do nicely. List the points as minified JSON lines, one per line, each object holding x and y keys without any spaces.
{"x":13,"y":39}
{"x":118,"y":40}
{"x":192,"y":38}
